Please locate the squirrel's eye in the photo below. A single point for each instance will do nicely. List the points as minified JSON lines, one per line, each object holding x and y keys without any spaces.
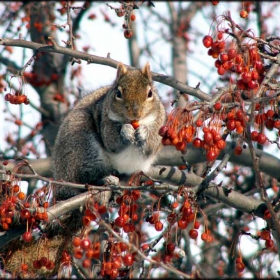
{"x":150,"y":93}
{"x":118,"y":94}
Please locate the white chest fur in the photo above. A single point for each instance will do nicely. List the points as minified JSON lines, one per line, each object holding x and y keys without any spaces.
{"x":129,"y":161}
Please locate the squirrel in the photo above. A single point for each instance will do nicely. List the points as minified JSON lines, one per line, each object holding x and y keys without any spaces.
{"x":98,"y":138}
{"x":113,"y":130}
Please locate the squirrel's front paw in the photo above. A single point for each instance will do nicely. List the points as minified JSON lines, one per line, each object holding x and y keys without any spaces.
{"x":141,"y":134}
{"x":128,"y":133}
{"x":111,"y":180}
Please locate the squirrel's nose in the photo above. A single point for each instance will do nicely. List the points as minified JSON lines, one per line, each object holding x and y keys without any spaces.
{"x":134,"y":112}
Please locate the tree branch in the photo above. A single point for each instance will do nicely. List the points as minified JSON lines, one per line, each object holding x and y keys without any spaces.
{"x":167,"y":80}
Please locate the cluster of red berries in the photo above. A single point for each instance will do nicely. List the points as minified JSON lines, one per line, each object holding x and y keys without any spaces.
{"x":247,"y":7}
{"x":17,"y":98}
{"x":44,"y":262}
{"x":10,"y":195}
{"x":183,"y":216}
{"x":126,"y":10}
{"x":84,"y":248}
{"x":120,"y":258}
{"x":265,"y":235}
{"x":188,"y":215}
{"x":270,"y":119}
{"x":247,"y":64}
{"x":154,"y":220}
{"x":12,"y":202}
{"x":127,"y":211}
{"x":34,"y":80}
{"x":171,"y":252}
{"x":89,"y":215}
{"x":180,"y":130}
{"x":7,"y":211}
{"x":220,"y":268}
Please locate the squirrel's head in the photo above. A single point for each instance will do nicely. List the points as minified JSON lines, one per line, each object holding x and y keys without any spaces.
{"x":133,"y":95}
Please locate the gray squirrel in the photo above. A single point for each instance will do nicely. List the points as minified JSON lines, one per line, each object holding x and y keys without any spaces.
{"x":113,"y":130}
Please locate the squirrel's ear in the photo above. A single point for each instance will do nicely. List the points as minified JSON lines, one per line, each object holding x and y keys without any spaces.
{"x":122,"y":70}
{"x":147,"y":72}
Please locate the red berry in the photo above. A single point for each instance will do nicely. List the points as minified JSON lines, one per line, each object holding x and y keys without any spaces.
{"x":196,"y":225}
{"x":182,"y":224}
{"x":27,"y":236}
{"x":232,"y":53}
{"x":167,"y":258}
{"x":85,"y":244}
{"x":135,"y":124}
{"x":123,"y":246}
{"x":221,"y":144}
{"x":76,"y":241}
{"x":114,"y":273}
{"x":78,"y":253}
{"x":231,"y":125}
{"x":170,"y":247}
{"x":128,"y":260}
{"x":204,"y":236}
{"x":207,"y":41}
{"x":199,"y":123}
{"x":197,"y":142}
{"x":218,"y":63}
{"x":24,"y":267}
{"x":239,"y":267}
{"x":266,"y":214}
{"x":254,"y":135}
{"x":269,"y":244}
{"x":244,"y":13}
{"x":270,"y":113}
{"x":220,"y":35}
{"x":221,"y":70}
{"x":258,"y":65}
{"x":211,"y":155}
{"x":158,"y":226}
{"x":276,"y":124}
{"x":255,"y":74}
{"x":252,"y":84}
{"x":50,"y":265}
{"x":8,"y":97}
{"x":193,"y":233}
{"x":239,"y":68}
{"x":261,"y":139}
{"x":246,"y":77}
{"x":218,"y":106}
{"x":120,"y":221}
{"x":208,"y":137}
{"x":126,"y":228}
{"x":181,"y":146}
{"x":265,"y":234}
{"x":86,"y":263}
{"x":44,"y":261}
{"x":128,"y":33}
{"x":116,"y":262}
{"x":238,"y":59}
{"x":25,"y":214}
{"x":224,"y":57}
{"x":37,"y":264}
{"x":240,"y":84}
{"x":162,"y":131}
